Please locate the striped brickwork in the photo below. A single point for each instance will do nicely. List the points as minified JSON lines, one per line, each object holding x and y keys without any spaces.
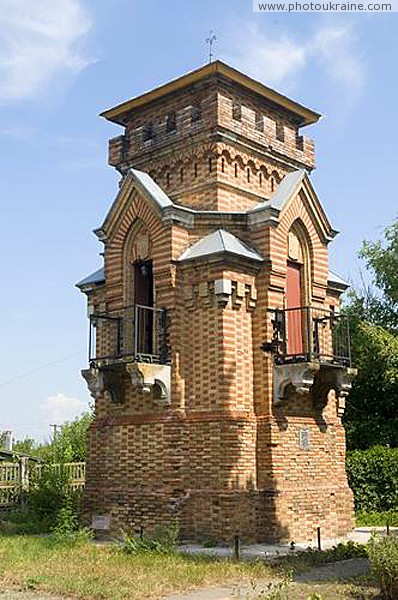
{"x":221,"y":458}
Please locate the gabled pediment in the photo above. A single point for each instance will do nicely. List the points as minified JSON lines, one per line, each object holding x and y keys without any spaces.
{"x":134,"y":181}
{"x":293,"y":184}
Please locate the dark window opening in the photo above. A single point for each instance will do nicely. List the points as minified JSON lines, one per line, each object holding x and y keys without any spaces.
{"x":222,"y":165}
{"x":196,"y":114}
{"x":236,"y":170}
{"x":148,"y":132}
{"x":143,"y":283}
{"x":171,"y":123}
{"x":299,"y":142}
{"x":143,"y":300}
{"x":195,"y":170}
{"x":280,"y":131}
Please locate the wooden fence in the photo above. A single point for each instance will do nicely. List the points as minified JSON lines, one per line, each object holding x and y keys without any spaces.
{"x":17,"y":477}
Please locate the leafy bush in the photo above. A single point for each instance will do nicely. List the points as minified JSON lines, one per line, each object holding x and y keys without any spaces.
{"x":312,"y":557}
{"x":383,"y":554}
{"x":377,"y":519}
{"x":373,"y":477}
{"x":163,"y":541}
{"x":48,"y":504}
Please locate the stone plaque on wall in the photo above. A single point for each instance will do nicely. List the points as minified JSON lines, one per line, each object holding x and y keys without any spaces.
{"x":304,"y":438}
{"x":101,"y":522}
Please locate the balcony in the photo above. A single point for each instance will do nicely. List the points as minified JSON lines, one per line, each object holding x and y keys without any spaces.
{"x":134,"y":333}
{"x":311,"y":350}
{"x":307,"y":334}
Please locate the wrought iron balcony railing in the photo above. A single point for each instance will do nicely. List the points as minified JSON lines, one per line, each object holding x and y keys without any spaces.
{"x":308,"y":333}
{"x":137,"y":332}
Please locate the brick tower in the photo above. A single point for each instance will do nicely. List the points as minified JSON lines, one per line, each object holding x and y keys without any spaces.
{"x":219,"y":361}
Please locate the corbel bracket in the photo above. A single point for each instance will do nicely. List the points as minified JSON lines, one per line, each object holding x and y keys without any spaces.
{"x":152,"y":377}
{"x":299,"y":378}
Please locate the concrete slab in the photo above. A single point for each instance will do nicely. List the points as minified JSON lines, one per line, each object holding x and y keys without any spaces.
{"x":360,"y":535}
{"x":340,"y":571}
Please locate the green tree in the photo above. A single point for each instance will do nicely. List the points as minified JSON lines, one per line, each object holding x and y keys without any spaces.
{"x":26,"y":446}
{"x":372,"y":411}
{"x":70,"y":443}
{"x":380,"y":305}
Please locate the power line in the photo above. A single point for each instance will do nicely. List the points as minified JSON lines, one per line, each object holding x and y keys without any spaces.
{"x":50,"y":364}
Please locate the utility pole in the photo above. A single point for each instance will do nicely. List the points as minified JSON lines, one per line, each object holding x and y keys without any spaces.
{"x":55,"y":435}
{"x":55,"y":429}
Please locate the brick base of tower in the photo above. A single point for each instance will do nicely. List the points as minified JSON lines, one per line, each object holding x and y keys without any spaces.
{"x":220,"y":475}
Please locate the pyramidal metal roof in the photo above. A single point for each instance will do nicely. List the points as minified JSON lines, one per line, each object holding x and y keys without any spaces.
{"x":94,"y":278}
{"x":335,"y":278}
{"x":303,"y":114}
{"x":220,"y":242}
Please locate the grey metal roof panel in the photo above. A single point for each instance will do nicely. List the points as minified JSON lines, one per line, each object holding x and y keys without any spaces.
{"x":289,"y":184}
{"x":150,"y":187}
{"x":287,"y":187}
{"x":335,"y":278}
{"x":220,"y":241}
{"x":94,"y":278}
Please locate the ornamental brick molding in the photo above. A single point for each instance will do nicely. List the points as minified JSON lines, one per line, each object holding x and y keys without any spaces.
{"x":219,"y":360}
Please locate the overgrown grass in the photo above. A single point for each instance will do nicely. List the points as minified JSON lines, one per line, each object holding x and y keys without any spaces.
{"x":87,"y":570}
{"x":383,"y":554}
{"x":301,"y":561}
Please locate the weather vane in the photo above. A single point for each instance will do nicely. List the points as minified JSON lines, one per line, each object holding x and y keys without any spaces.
{"x":210,"y":41}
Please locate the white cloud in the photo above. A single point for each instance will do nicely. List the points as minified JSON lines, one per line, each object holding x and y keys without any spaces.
{"x":335,"y":49}
{"x":38,"y":40}
{"x":60,"y":408}
{"x":265,"y":58}
{"x":329,"y":52}
{"x":17,"y":131}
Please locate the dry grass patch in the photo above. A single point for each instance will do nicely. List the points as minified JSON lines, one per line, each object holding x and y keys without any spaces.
{"x":91,"y":571}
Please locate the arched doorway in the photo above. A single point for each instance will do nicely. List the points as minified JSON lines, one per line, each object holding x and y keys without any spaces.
{"x":297,"y":291}
{"x":294,"y":294}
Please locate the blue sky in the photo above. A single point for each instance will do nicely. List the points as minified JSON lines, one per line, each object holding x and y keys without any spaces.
{"x":63,"y":62}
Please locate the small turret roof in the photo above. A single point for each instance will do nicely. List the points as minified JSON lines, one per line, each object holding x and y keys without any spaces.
{"x":220,"y":242}
{"x":93,"y":279}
